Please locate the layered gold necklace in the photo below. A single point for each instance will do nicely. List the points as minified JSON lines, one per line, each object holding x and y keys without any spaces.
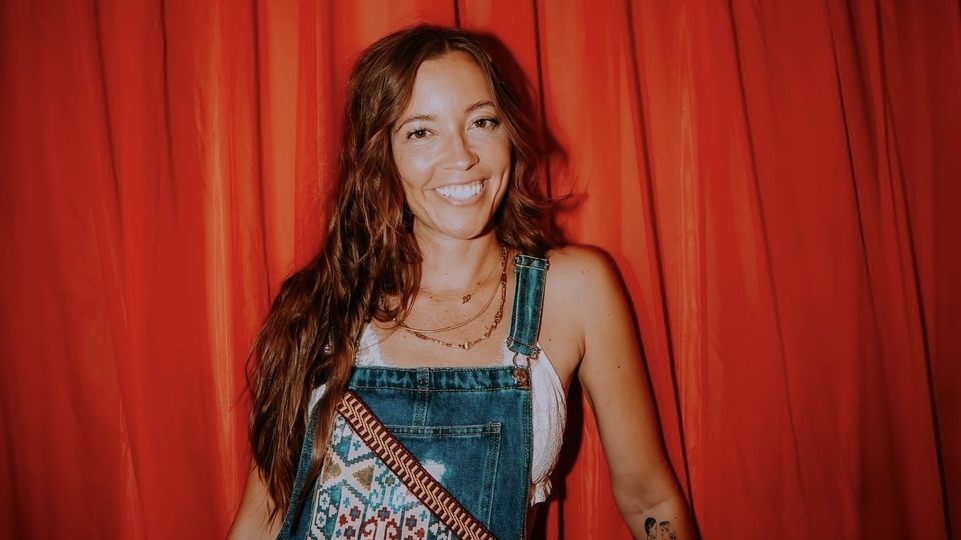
{"x":467,"y":297}
{"x":424,"y":333}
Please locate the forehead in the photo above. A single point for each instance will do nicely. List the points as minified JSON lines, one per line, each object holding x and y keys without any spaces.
{"x":449,"y":80}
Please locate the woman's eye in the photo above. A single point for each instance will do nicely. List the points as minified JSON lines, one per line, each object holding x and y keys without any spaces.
{"x":417,"y":134}
{"x":486,"y":122}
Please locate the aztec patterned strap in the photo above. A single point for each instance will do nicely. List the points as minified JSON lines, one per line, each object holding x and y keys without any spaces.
{"x":402,"y":463}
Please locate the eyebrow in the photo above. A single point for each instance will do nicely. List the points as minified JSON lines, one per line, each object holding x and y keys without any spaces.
{"x":430,"y":118}
{"x":480,"y":105}
{"x":414,"y":118}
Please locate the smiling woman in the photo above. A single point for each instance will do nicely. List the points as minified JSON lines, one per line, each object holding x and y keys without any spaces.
{"x":387,"y":401}
{"x":451,"y":151}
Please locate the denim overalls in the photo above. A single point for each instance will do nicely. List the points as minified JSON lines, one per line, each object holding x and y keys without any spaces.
{"x":469,"y":427}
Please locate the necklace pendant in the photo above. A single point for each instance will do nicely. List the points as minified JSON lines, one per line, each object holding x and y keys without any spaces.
{"x":423,"y":334}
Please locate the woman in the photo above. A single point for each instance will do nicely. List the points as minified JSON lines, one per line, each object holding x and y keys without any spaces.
{"x":439,"y":329}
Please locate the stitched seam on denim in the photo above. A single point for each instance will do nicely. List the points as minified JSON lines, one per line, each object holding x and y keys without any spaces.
{"x":512,"y":386}
{"x":529,"y":434}
{"x":530,"y":345}
{"x":531,"y":262}
{"x":499,"y":374}
{"x":471,"y":430}
{"x":300,"y":477}
{"x":490,"y":476}
{"x":527,"y":307}
{"x":410,"y":374}
{"x":499,"y":386}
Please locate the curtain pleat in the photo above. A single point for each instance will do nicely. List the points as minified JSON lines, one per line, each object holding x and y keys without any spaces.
{"x":778,"y":183}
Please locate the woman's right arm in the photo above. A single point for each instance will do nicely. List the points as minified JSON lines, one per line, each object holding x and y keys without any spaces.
{"x":253,"y":517}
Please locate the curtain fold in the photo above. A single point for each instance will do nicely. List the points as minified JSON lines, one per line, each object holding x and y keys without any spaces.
{"x":777,"y":182}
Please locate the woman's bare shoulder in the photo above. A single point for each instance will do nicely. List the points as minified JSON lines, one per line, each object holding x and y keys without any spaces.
{"x":582,"y":290}
{"x":580,"y":268}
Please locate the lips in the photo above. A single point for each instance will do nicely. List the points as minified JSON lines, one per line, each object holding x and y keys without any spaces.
{"x":460,"y":192}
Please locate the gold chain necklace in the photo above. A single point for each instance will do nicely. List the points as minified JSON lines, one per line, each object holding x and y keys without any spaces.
{"x":465,"y":298}
{"x":472,"y":318}
{"x":422,"y":334}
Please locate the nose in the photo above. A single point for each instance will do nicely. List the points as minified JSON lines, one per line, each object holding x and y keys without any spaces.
{"x":460,"y":154}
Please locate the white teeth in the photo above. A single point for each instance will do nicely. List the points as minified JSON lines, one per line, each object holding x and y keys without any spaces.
{"x":460,"y":192}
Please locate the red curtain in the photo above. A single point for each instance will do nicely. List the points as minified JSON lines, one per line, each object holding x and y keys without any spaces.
{"x":779,"y":182}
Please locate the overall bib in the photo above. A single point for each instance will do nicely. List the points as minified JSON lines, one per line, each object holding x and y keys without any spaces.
{"x":469,"y":427}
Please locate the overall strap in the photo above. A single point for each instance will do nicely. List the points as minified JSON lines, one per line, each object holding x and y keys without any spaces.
{"x":303,"y":467}
{"x":530,"y":274}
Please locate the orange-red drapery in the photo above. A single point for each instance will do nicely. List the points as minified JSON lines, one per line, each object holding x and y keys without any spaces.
{"x":779,"y":182}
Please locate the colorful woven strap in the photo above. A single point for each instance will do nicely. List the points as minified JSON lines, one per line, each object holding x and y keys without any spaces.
{"x":402,"y":463}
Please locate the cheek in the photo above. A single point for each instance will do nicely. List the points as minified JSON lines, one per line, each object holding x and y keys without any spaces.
{"x":411,"y":193}
{"x":413,"y":166}
{"x":502,"y":152}
{"x":506,"y":160}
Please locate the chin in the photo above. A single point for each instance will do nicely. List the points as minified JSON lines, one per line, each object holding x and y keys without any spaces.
{"x":461,"y":231}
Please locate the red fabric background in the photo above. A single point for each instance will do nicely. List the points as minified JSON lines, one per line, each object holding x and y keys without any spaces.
{"x":780,"y":183}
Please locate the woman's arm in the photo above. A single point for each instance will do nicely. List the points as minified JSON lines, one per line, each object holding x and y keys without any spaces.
{"x":253,"y":517}
{"x":613,"y":378}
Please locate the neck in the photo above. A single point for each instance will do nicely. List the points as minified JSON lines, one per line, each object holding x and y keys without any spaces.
{"x":453,"y":267}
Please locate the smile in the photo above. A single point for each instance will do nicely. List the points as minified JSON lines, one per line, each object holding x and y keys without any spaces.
{"x":461,"y":192}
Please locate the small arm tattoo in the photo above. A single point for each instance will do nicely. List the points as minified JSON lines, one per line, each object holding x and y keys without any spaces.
{"x":659,"y":531}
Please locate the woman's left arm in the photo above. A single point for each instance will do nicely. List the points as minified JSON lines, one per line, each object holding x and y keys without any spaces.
{"x":616,"y":386}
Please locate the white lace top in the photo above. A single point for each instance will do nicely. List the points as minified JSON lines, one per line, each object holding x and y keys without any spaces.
{"x":548,"y":410}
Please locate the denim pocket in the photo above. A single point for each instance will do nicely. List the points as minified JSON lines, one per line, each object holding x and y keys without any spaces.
{"x":462,"y":458}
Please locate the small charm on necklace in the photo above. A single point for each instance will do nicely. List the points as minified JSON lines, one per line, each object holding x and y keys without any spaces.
{"x":465,"y":299}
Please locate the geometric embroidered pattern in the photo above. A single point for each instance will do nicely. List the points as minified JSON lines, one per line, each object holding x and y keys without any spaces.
{"x":377,"y":449}
{"x":346,"y":505}
{"x":358,"y":497}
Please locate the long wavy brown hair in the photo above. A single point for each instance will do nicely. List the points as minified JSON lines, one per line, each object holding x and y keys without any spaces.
{"x":310,"y":335}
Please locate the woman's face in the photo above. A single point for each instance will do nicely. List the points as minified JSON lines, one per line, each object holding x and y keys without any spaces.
{"x":451,"y":150}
